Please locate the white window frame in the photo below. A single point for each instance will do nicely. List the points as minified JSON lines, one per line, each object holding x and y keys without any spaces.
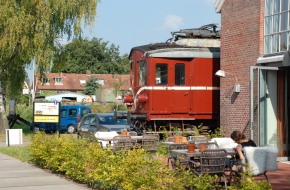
{"x":100,"y":81}
{"x":58,"y":82}
{"x":83,"y":81}
{"x":279,"y":30}
{"x":47,"y":81}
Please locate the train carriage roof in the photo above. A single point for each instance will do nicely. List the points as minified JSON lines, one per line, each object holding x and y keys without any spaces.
{"x":189,"y":43}
{"x":174,"y":50}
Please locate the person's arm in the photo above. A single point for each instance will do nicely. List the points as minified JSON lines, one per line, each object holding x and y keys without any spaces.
{"x":239,"y":149}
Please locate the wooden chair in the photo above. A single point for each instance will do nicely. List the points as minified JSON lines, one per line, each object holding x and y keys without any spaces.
{"x":150,"y":143}
{"x":212,"y":161}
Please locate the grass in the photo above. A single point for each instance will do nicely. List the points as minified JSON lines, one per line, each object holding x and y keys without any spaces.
{"x":19,"y":152}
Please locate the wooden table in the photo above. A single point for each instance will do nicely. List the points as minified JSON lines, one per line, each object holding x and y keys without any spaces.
{"x":169,"y":143}
{"x":138,"y":138}
{"x":230,"y":152}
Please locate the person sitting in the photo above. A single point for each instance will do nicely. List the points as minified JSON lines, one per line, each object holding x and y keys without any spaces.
{"x":242,"y":142}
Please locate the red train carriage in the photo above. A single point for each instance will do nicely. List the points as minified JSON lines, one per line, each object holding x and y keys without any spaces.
{"x":173,"y":84}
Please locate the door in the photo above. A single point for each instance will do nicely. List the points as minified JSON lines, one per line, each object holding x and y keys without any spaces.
{"x":267,"y":106}
{"x":63,"y":118}
{"x":180,"y":92}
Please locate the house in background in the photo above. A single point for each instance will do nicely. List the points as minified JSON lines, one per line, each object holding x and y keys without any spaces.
{"x":71,"y":82}
{"x":66,"y":96}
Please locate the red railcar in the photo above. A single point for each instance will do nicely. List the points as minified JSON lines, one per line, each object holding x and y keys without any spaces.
{"x":173,"y":84}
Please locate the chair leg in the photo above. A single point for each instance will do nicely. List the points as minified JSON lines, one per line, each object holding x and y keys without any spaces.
{"x":266,"y":176}
{"x":225,"y":182}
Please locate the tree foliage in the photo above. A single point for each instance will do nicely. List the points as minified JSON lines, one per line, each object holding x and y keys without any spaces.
{"x":91,"y":86}
{"x":94,"y":55}
{"x":29,"y":29}
{"x":117,"y":86}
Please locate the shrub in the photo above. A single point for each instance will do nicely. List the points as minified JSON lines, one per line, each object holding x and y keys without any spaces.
{"x":86,"y":162}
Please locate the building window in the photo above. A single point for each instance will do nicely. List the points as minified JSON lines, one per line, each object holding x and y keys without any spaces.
{"x":142,"y":73}
{"x":161,"y":74}
{"x":58,"y":80}
{"x":83,"y":81}
{"x":100,"y":81}
{"x":180,"y":74}
{"x":45,"y":80}
{"x":277,"y":29}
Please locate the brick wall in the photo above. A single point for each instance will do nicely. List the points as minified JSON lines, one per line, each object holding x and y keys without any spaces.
{"x":241,"y":45}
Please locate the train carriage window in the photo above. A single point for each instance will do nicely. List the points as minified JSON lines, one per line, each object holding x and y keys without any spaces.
{"x":142,"y":72}
{"x":161,"y":74}
{"x":180,"y":74}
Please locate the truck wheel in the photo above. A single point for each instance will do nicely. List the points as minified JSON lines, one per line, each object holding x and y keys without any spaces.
{"x":70,"y":129}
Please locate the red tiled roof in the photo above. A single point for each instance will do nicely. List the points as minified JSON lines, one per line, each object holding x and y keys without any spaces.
{"x":71,"y":81}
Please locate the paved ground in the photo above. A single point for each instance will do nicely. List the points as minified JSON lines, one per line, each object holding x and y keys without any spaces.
{"x":16,"y":175}
{"x":279,"y":179}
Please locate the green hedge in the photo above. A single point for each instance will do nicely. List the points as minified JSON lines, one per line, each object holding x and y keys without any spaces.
{"x":86,"y":162}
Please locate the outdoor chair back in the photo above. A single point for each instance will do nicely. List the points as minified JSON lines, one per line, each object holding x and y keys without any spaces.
{"x":170,"y":139}
{"x":133,"y":133}
{"x":122,"y":142}
{"x":260,"y":160}
{"x":209,"y":145}
{"x":150,"y":143}
{"x":155,"y":135}
{"x":213,"y":161}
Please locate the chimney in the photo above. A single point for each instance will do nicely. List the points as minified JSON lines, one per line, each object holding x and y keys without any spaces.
{"x":88,"y":73}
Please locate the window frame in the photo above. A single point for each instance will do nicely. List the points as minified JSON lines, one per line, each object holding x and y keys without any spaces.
{"x":72,"y":116}
{"x":61,"y":110}
{"x":82,"y":109}
{"x":47,"y":80}
{"x":161,"y":75}
{"x":57,"y":82}
{"x":268,"y":39}
{"x":142,"y":64}
{"x":180,"y":75}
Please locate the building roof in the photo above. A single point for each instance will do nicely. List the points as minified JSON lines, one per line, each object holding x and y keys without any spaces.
{"x":65,"y":93}
{"x":218,"y":5}
{"x":71,"y":81}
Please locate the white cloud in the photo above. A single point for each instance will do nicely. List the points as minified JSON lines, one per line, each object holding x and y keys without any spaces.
{"x":172,"y":22}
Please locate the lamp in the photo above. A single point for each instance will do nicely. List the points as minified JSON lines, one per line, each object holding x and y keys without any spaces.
{"x":222,"y":73}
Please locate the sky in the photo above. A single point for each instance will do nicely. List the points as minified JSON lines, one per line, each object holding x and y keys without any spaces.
{"x":131,"y":23}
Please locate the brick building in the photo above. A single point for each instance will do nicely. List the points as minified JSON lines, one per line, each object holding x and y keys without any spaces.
{"x":254,"y":42}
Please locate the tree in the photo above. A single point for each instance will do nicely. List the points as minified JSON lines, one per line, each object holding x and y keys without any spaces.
{"x":91,"y":86}
{"x":94,"y":55}
{"x":117,"y":87}
{"x":29,"y":29}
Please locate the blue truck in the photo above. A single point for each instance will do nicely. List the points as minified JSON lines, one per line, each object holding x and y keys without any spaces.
{"x":69,"y":116}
